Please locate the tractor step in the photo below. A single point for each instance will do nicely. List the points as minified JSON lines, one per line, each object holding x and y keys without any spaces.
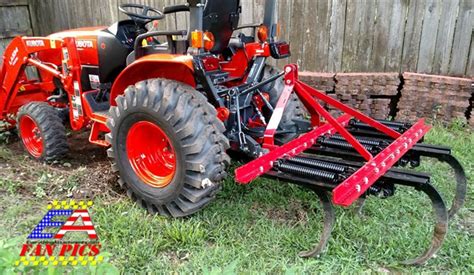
{"x":99,"y":128}
{"x":101,"y":116}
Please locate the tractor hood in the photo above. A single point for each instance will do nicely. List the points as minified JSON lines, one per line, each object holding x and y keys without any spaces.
{"x":79,"y":33}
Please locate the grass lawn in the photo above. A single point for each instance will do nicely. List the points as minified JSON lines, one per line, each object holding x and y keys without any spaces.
{"x":256,"y":228}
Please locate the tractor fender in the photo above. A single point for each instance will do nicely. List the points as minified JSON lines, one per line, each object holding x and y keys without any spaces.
{"x":168,"y":66}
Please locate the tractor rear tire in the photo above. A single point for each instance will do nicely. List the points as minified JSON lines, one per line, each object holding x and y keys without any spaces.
{"x":294,"y":108}
{"x":42,"y":131}
{"x":180,"y":174}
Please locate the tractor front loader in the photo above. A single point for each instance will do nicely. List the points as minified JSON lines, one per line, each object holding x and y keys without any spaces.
{"x":169,"y":105}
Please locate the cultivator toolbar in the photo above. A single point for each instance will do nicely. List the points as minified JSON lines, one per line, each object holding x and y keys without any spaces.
{"x":352,"y":156}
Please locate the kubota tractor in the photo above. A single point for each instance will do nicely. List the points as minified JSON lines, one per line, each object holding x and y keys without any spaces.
{"x":169,"y":105}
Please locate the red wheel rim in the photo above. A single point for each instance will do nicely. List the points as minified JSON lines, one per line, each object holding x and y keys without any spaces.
{"x":151,"y":154}
{"x":31,"y":136}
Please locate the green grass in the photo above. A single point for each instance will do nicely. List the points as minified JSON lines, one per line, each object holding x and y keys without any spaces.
{"x":261,"y":227}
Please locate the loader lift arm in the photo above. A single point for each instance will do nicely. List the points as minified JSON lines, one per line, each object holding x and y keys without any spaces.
{"x":16,"y":89}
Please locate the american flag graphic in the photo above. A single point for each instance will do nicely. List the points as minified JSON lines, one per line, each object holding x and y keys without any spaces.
{"x":70,"y":227}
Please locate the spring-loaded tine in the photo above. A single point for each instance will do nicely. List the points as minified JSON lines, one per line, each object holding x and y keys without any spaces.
{"x":461,"y":185}
{"x":444,"y":155}
{"x":329,"y":218}
{"x":441,"y":226}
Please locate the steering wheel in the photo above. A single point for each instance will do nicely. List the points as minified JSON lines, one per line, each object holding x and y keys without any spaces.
{"x":143,"y":17}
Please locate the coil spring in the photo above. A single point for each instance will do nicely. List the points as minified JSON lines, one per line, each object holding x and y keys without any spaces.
{"x":342,"y":144}
{"x":383,"y":192}
{"x":384,"y":122}
{"x":361,"y":140}
{"x":319,"y":164}
{"x":374,"y":190}
{"x":396,"y":126}
{"x":307,"y":172}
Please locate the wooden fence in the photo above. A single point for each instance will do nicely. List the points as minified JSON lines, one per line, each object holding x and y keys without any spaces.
{"x":427,"y":36}
{"x":14,"y":20}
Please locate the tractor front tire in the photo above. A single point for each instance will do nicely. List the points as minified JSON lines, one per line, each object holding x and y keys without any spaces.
{"x":42,"y":131}
{"x":294,"y":108}
{"x":168,"y":147}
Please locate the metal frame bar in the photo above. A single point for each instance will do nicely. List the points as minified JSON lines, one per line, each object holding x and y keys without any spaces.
{"x":263,"y":164}
{"x":354,"y":186}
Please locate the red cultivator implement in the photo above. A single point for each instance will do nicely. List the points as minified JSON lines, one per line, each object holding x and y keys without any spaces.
{"x":325,"y":158}
{"x":170,"y":104}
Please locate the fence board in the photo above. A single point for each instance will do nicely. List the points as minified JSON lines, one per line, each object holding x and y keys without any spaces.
{"x":35,"y":17}
{"x":181,"y":18}
{"x":319,"y":32}
{"x":462,"y":38}
{"x":381,"y":36}
{"x":7,"y":3}
{"x":310,"y":26}
{"x":413,"y":35}
{"x":247,"y":12}
{"x":259,"y":10}
{"x":396,"y":33}
{"x":431,"y":20}
{"x":13,"y":23}
{"x":336,"y":39}
{"x":444,"y":40}
{"x":4,"y":43}
{"x":354,"y":11}
{"x":365,"y":43}
{"x":284,"y":18}
{"x":297,"y":31}
{"x":470,"y":64}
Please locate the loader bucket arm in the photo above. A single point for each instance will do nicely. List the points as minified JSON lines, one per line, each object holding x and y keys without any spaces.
{"x":15,"y":58}
{"x":16,"y":90}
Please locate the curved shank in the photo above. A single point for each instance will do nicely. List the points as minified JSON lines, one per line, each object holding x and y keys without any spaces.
{"x":461,"y":185}
{"x":329,"y":218}
{"x":441,"y":226}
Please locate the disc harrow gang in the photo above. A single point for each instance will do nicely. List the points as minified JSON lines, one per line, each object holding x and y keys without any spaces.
{"x":353,"y":156}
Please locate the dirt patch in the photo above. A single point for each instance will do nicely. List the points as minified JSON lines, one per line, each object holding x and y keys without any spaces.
{"x":84,"y":174}
{"x":295,"y":213}
{"x":177,"y":258}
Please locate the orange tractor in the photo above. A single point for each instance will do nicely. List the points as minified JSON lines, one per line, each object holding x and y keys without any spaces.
{"x":170,"y":105}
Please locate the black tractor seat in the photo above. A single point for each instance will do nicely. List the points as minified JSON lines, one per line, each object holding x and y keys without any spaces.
{"x":220,"y":18}
{"x":150,"y":49}
{"x":175,"y":44}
